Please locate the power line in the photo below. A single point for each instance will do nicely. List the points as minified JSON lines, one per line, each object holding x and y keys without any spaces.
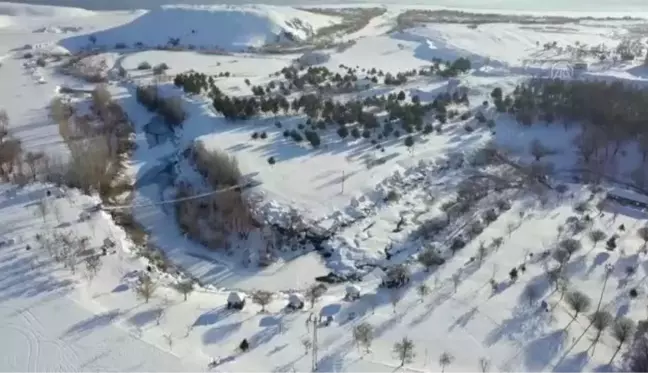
{"x":248,"y":185}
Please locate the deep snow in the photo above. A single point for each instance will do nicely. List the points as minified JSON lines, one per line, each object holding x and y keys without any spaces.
{"x":68,"y":323}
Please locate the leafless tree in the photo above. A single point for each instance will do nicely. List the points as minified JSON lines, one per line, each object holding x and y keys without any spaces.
{"x":169,"y":340}
{"x":314,"y":293}
{"x":601,"y":320}
{"x":43,"y":209}
{"x":596,"y":236}
{"x":262,"y":298}
{"x":484,"y":364}
{"x":570,"y":245}
{"x":423,"y":290}
{"x":429,"y":258}
{"x":622,"y":331}
{"x":404,"y":351}
{"x":307,"y":344}
{"x":185,"y":288}
{"x":444,"y":360}
{"x":579,"y":303}
{"x":497,"y":243}
{"x":456,"y":280}
{"x":482,"y":251}
{"x":92,"y":266}
{"x":159,"y":314}
{"x":395,"y":296}
{"x":145,"y":288}
{"x":643,"y":234}
{"x":363,"y":335}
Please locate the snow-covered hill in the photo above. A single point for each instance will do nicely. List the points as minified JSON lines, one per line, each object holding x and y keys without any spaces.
{"x":384,"y":197}
{"x":211,"y":27}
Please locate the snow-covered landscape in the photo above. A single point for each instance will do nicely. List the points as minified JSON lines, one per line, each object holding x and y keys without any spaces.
{"x":334,"y":188}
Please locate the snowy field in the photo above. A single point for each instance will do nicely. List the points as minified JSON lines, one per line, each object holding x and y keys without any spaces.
{"x":493,"y":303}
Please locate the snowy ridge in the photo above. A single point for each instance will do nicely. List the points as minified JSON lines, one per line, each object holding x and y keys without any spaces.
{"x":231,"y":28}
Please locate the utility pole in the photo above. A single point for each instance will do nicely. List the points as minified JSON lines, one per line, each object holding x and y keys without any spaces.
{"x":314,"y":348}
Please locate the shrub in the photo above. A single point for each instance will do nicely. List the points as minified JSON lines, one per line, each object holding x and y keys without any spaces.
{"x":296,"y":136}
{"x":286,"y":133}
{"x":313,"y":138}
{"x":120,"y":45}
{"x":263,"y":135}
{"x":160,"y":68}
{"x":490,"y":215}
{"x":355,"y":133}
{"x":255,"y":136}
{"x":343,"y":132}
{"x":143,"y":66}
{"x":171,"y":109}
{"x":221,"y":169}
{"x":41,"y":61}
{"x":272,"y":160}
{"x":633,"y":293}
{"x":503,"y":205}
{"x":430,"y":258}
{"x":392,"y":196}
{"x":476,"y":228}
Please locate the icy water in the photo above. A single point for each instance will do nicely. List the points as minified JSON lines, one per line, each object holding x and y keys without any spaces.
{"x":598,"y":6}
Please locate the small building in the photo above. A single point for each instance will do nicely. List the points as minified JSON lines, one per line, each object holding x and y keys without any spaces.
{"x":295,"y":302}
{"x":352,"y":292}
{"x":236,"y":300}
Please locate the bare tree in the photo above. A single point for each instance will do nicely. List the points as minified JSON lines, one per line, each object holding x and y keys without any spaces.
{"x":622,"y":331}
{"x":456,"y":280}
{"x":643,"y":234}
{"x":423,"y":290}
{"x":145,"y":288}
{"x":429,"y":258}
{"x":92,"y":266}
{"x":444,"y":360}
{"x":314,"y":293}
{"x":579,"y":303}
{"x":307,"y":344}
{"x":497,"y":243}
{"x":597,"y":236}
{"x":185,"y":288}
{"x":570,"y":245}
{"x":562,"y":257}
{"x":262,"y":298}
{"x":43,"y":209}
{"x":484,"y":364}
{"x":601,"y":320}
{"x":482,"y":251}
{"x":363,"y":335}
{"x":404,"y":351}
{"x":169,"y":340}
{"x":395,"y":296}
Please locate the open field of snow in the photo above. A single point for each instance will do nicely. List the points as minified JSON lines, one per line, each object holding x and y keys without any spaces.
{"x":78,"y":292}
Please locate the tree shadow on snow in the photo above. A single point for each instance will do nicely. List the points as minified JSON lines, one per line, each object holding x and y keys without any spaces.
{"x":218,"y":334}
{"x":144,"y":317}
{"x":95,"y":322}
{"x":212,"y":317}
{"x":540,"y":352}
{"x":574,"y":363}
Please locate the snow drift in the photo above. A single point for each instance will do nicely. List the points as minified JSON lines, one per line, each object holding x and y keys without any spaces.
{"x":231,"y":28}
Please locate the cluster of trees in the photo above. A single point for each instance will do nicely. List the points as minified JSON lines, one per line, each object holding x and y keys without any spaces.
{"x":611,"y":115}
{"x":169,"y":108}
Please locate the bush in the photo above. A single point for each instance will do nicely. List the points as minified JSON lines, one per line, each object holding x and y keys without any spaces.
{"x":120,"y":46}
{"x":355,"y":133}
{"x":313,"y":138}
{"x":286,"y":133}
{"x":220,"y":169}
{"x":430,"y":258}
{"x":255,"y":136}
{"x":172,"y":111}
{"x":476,"y":228}
{"x":503,"y":205}
{"x":490,"y":215}
{"x":633,"y":293}
{"x":343,"y":132}
{"x":41,"y":61}
{"x":296,"y":136}
{"x":144,"y":66}
{"x":160,"y":68}
{"x":263,"y":135}
{"x":272,"y":160}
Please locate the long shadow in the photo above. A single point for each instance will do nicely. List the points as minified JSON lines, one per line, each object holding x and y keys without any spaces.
{"x":539,"y":353}
{"x":90,"y":325}
{"x":219,"y":334}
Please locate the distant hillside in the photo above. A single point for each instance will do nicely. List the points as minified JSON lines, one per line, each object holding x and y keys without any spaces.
{"x":231,"y":28}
